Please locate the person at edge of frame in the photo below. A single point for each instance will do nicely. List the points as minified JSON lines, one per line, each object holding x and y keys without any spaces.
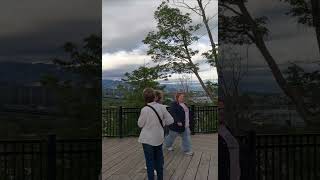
{"x":228,"y":150}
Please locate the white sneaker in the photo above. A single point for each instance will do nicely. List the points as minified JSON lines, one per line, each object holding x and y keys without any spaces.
{"x":170,"y":148}
{"x":190,"y":153}
{"x":154,"y":171}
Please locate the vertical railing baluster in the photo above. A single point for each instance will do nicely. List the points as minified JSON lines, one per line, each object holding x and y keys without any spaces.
{"x":294,"y":156}
{"x":280,"y":157}
{"x":23,"y":155}
{"x":315,"y":171}
{"x":273,"y":159}
{"x":308,"y":157}
{"x":120,"y":121}
{"x":32,"y":168}
{"x":258,"y":157}
{"x":41,"y":159}
{"x":63,"y":160}
{"x":301,"y":157}
{"x":287,"y":158}
{"x":5,"y":161}
{"x":192,"y":127}
{"x":51,"y":157}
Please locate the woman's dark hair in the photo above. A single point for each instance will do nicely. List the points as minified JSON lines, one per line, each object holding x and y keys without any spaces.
{"x":148,"y":95}
{"x":158,"y":94}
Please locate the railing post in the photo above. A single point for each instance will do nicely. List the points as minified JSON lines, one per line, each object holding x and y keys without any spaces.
{"x":194,"y":120}
{"x":252,"y":151}
{"x":120,"y":121}
{"x":51,"y":157}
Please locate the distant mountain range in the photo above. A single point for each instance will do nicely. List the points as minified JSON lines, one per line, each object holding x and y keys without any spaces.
{"x":25,"y":73}
{"x":112,"y":84}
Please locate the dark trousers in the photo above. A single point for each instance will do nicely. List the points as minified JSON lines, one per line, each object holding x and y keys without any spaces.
{"x":154,"y":160}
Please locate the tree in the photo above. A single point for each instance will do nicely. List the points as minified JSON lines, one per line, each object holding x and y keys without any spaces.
{"x":200,"y":10}
{"x":238,"y":27}
{"x":137,"y":81}
{"x":307,"y":82}
{"x":77,"y":94}
{"x":307,"y":12}
{"x":170,"y":46}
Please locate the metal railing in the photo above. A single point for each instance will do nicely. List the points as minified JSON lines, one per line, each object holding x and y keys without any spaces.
{"x":280,"y":156}
{"x":122,"y":122}
{"x":50,"y":159}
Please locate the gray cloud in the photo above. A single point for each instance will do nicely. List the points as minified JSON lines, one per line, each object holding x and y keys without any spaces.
{"x":118,"y":72}
{"x":126,"y":23}
{"x":38,"y":28}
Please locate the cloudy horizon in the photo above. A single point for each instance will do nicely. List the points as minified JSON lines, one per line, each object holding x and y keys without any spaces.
{"x":123,"y":50}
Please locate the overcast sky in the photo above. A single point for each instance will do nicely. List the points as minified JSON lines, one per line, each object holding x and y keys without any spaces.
{"x":35,"y":30}
{"x":126,"y":23}
{"x":288,"y":42}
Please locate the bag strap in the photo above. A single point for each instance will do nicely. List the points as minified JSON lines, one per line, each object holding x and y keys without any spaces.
{"x":160,"y":121}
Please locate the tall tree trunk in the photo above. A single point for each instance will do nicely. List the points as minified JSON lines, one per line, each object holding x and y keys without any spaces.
{"x":195,"y":71}
{"x":291,"y":92}
{"x":203,"y":85}
{"x":213,"y":45}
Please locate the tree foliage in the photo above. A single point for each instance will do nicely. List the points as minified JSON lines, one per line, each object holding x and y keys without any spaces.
{"x":137,"y":81}
{"x":237,"y":26}
{"x":170,"y":45}
{"x":307,"y":82}
{"x":77,"y":95}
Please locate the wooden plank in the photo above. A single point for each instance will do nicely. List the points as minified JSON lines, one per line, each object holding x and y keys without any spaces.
{"x":171,"y":168}
{"x":182,"y":167}
{"x":124,"y":158}
{"x":139,"y":176}
{"x":118,"y":177}
{"x":116,"y":145}
{"x":203,"y":169}
{"x":213,"y":168}
{"x":115,"y":158}
{"x":192,"y":169}
{"x":116,"y":167}
{"x":130,"y":165}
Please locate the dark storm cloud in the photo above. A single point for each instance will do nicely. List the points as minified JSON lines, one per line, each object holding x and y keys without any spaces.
{"x":33,"y":29}
{"x":48,"y":39}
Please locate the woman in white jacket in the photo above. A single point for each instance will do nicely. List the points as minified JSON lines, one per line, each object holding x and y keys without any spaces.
{"x":153,"y":118}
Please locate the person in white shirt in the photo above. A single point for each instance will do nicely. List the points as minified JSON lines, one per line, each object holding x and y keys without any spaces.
{"x":152,"y":133}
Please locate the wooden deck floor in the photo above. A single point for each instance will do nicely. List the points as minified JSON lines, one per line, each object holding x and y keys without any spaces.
{"x":123,"y":160}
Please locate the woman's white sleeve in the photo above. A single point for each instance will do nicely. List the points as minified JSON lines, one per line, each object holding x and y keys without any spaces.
{"x":142,"y":118}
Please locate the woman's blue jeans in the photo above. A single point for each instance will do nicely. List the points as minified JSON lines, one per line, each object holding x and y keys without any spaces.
{"x":154,"y":160}
{"x":186,"y":139}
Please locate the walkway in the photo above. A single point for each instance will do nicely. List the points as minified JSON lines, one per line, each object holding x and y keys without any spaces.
{"x":123,"y":160}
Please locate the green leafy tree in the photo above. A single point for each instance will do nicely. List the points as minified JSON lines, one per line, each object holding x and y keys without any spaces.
{"x":170,"y":46}
{"x":307,"y":82}
{"x":237,"y":26}
{"x":77,"y":95}
{"x":200,"y":9}
{"x":137,"y":81}
{"x":307,"y":12}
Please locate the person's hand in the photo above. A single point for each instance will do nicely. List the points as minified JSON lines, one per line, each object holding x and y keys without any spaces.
{"x":179,"y":124}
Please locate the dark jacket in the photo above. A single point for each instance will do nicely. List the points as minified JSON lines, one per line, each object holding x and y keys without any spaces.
{"x":178,"y":114}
